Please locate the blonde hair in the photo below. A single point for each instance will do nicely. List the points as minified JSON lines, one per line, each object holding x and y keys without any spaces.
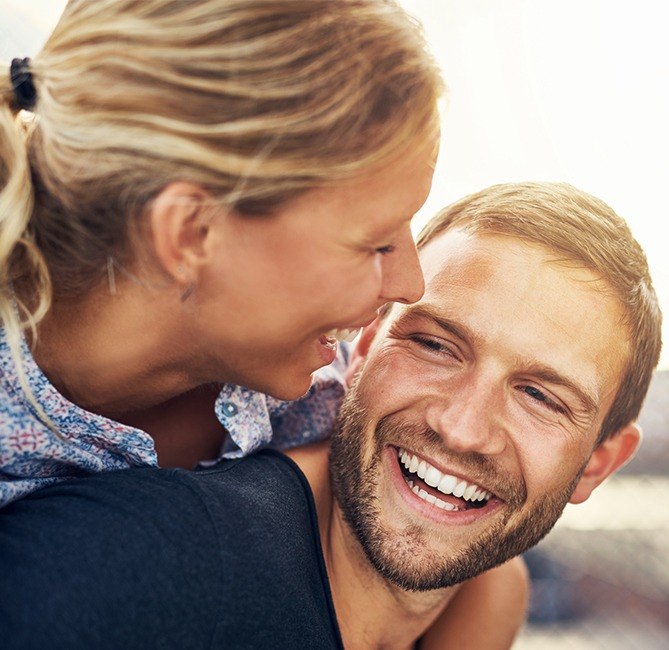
{"x":583,"y":229}
{"x":254,"y":100}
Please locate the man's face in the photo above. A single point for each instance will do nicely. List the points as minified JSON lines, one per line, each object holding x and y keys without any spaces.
{"x":477,"y":409}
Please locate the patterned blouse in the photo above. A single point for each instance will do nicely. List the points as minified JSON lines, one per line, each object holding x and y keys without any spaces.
{"x":32,"y":455}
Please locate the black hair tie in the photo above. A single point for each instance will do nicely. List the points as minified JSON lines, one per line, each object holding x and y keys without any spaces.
{"x":25,"y":95}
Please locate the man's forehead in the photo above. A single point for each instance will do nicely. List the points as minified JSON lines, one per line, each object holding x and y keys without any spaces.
{"x":461,"y":260}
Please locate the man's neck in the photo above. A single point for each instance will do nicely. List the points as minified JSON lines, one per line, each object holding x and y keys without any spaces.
{"x":371,"y":611}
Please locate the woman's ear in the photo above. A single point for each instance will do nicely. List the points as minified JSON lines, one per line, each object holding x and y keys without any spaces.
{"x":178,"y":220}
{"x":609,"y":456}
{"x":361,"y":349}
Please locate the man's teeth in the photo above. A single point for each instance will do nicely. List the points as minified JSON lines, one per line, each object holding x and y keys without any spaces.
{"x":445,"y":483}
{"x":344,"y":334}
{"x":430,"y":498}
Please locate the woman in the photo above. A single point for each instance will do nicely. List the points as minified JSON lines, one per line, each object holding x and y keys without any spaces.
{"x":209,"y":192}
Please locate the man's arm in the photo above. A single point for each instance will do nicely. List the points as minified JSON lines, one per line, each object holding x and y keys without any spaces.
{"x":486,"y":613}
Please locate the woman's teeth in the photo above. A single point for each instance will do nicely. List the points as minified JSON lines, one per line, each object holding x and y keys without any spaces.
{"x":344,"y":334}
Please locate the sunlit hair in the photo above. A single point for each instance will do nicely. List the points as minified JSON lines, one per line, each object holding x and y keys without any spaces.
{"x":254,"y":100}
{"x":582,"y":229}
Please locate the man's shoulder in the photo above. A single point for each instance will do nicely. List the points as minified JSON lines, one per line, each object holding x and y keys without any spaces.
{"x":313,"y":461}
{"x":276,"y":591}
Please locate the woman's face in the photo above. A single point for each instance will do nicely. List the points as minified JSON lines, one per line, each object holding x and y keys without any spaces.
{"x":281,"y":284}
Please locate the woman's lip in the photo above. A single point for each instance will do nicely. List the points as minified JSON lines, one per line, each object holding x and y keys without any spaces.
{"x":370,"y":319}
{"x":332,"y":333}
{"x":328,"y":341}
{"x":340,"y":334}
{"x":327,"y":351}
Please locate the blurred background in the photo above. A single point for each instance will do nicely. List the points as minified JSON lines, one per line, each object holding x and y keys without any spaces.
{"x":564,"y":90}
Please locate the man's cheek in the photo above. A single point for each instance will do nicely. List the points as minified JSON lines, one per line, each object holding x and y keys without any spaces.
{"x":396,"y":382}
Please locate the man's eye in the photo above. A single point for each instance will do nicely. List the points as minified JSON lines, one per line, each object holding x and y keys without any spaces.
{"x":537,"y":395}
{"x":435,"y":345}
{"x":384,"y":250}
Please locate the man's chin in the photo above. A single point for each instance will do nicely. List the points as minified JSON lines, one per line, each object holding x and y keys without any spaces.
{"x":410,"y":557}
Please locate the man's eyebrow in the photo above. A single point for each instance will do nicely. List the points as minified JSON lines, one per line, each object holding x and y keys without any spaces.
{"x":425,"y":312}
{"x":546,"y":373}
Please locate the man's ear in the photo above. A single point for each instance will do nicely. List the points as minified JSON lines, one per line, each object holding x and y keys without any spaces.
{"x":608,"y":456}
{"x":361,"y":349}
{"x":179,"y":226}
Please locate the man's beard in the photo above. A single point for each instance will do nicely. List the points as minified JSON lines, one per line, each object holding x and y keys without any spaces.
{"x":406,"y":557}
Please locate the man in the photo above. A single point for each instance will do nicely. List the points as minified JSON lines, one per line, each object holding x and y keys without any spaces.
{"x":474,"y":416}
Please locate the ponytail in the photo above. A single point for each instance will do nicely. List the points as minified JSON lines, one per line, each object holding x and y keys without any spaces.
{"x":22,"y":266}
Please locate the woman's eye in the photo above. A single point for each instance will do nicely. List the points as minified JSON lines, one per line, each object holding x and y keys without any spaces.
{"x":537,"y":395}
{"x":384,"y":250}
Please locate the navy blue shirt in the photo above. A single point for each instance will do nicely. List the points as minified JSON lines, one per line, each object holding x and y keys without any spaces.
{"x":227,"y":557}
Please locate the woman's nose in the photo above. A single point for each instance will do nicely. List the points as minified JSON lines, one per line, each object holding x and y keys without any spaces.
{"x":402,"y":274}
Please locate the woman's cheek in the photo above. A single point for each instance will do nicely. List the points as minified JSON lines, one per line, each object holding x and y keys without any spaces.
{"x":363,"y":288}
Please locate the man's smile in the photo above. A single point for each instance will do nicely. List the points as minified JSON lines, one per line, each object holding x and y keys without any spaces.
{"x":440,"y":495}
{"x":420,"y":475}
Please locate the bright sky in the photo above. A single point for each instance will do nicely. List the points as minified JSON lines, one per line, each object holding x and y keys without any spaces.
{"x":568,"y":90}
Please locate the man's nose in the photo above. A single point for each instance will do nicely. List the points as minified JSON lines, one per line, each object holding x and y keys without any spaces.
{"x":402,"y":274}
{"x":470,"y":420}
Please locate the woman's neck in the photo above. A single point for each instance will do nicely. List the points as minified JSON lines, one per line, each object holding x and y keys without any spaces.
{"x":111,"y":354}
